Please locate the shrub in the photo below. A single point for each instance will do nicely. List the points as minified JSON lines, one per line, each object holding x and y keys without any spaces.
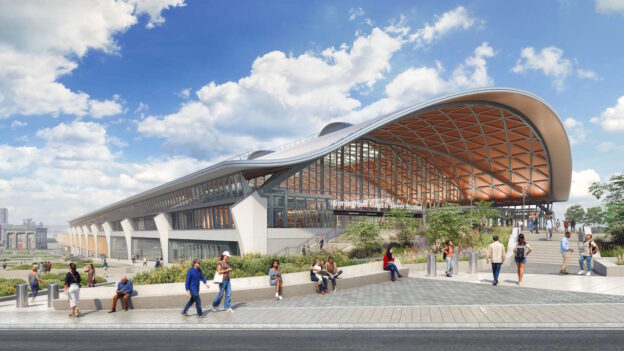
{"x":8,"y":286}
{"x":252,"y":265}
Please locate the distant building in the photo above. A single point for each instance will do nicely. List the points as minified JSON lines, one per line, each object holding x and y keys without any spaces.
{"x":4,"y":216}
{"x":28,"y":236}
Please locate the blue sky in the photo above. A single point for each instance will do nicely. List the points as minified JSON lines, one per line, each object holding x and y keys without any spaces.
{"x":103,"y":99}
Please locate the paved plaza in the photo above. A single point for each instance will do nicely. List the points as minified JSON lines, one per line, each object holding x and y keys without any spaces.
{"x":408,"y":303}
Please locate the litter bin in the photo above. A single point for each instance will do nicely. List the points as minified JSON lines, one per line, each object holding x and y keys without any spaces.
{"x":21,"y":296}
{"x":53,"y":294}
{"x":472,"y":262}
{"x":431,"y":265}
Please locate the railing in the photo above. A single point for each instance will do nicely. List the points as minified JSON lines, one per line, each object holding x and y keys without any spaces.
{"x":283,"y":147}
{"x":315,"y":240}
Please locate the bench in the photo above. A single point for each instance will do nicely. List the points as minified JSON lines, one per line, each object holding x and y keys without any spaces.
{"x":164,"y":296}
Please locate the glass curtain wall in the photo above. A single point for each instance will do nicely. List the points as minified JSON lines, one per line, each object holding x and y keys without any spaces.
{"x":186,"y":250}
{"x":144,"y":223}
{"x":217,"y":217}
{"x":116,"y":226}
{"x":149,"y":248}
{"x":361,"y":176}
{"x":119,"y":249}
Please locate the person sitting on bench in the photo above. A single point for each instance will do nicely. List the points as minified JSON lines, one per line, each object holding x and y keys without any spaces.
{"x":124,"y":290}
{"x":316,"y":275}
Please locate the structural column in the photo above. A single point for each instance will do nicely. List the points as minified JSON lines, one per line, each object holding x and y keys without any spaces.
{"x":71,"y":240}
{"x":79,"y":232}
{"x":94,"y":231}
{"x":127,"y":228}
{"x":108,"y":230}
{"x":85,"y":232}
{"x":163,"y":225}
{"x":250,"y":218}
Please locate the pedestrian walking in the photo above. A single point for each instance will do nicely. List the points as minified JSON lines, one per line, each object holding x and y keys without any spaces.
{"x":388,"y":264}
{"x":105,"y":267}
{"x":158,"y":264}
{"x":565,"y":252}
{"x":321,"y":243}
{"x":193,"y":276}
{"x":565,"y":224}
{"x":521,"y":251}
{"x":447,"y":252}
{"x":573,"y":225}
{"x":589,"y":249}
{"x":72,"y":289}
{"x":224,"y":269}
{"x":557,"y":225}
{"x":91,"y":276}
{"x":495,"y":254}
{"x":549,"y":227}
{"x":144,"y":261}
{"x":4,"y":264}
{"x":33,"y":281}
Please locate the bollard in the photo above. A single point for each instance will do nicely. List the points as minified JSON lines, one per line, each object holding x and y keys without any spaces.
{"x":455,"y":264}
{"x":431,"y":265}
{"x":53,"y":294}
{"x":472,"y":262}
{"x":21,"y":296}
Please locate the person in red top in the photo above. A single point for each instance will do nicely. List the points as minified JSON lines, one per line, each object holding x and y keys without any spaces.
{"x":565,"y":224}
{"x":388,"y":264}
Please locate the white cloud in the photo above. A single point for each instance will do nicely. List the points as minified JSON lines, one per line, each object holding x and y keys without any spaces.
{"x":449,"y":21}
{"x":154,"y":9}
{"x":581,"y":181}
{"x":608,"y":146}
{"x":98,"y":109}
{"x":576,"y":131}
{"x":42,"y":41}
{"x":75,"y":172}
{"x":549,"y":60}
{"x":297,"y":93}
{"x":355,"y":13}
{"x":586,"y":74}
{"x":612,"y":118}
{"x":418,"y":84}
{"x":610,"y":6}
{"x":185,"y":93}
{"x":18,"y":124}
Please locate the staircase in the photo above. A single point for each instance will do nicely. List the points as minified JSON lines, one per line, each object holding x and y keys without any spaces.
{"x":548,"y":252}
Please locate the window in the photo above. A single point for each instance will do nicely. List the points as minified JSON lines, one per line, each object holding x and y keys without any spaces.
{"x":217,"y":217}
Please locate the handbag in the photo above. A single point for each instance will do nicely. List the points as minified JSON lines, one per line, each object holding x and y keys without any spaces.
{"x":218,"y":278}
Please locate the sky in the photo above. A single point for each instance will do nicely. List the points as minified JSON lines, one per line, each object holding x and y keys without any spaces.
{"x":100,"y":100}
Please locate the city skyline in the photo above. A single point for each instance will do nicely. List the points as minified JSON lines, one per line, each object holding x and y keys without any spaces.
{"x":159,"y":92}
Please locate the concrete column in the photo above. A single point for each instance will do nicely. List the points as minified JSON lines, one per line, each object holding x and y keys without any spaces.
{"x":71,"y":240}
{"x":127,"y":228}
{"x":79,"y":237}
{"x":250,"y":219}
{"x":108,"y":230}
{"x":85,"y":232}
{"x":94,"y":231}
{"x":163,"y":225}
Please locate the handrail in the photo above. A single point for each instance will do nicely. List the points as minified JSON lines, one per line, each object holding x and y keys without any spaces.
{"x":329,"y":235}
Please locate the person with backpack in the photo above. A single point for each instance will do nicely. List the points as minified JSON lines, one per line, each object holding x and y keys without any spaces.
{"x":589,"y":250}
{"x":521,"y":251}
{"x":447,"y":253}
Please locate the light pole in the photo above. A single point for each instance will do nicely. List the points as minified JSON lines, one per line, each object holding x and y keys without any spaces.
{"x":523,"y":196}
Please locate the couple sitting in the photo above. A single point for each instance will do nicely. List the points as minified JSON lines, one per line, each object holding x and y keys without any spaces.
{"x":323,"y":271}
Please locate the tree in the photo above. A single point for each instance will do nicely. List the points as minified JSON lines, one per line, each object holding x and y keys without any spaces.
{"x":446,"y":223}
{"x":365,"y":236}
{"x":612,"y":196}
{"x":575,"y":213}
{"x":402,"y":221}
{"x":484,"y":212}
{"x":594,"y":216}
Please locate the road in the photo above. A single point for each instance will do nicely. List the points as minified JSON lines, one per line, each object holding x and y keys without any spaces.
{"x":363,"y":340}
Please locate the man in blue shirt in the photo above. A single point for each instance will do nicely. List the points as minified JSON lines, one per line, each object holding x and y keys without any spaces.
{"x":124,"y":290}
{"x":193,"y":276}
{"x":565,"y":250}
{"x":549,"y":227}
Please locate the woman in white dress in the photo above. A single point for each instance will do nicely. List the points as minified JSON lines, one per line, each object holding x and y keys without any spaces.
{"x":72,"y":289}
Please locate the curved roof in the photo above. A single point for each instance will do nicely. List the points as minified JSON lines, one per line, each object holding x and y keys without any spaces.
{"x":493,"y":142}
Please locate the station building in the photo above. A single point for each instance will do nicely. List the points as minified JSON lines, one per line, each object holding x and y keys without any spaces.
{"x":501,"y":145}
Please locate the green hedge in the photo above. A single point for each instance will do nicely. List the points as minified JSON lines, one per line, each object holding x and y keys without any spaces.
{"x":59,"y":278}
{"x":248,"y":266}
{"x":7,"y":286}
{"x":56,"y":265}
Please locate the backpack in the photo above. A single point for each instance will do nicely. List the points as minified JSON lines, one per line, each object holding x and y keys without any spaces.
{"x":443,"y":255}
{"x":520,"y":254}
